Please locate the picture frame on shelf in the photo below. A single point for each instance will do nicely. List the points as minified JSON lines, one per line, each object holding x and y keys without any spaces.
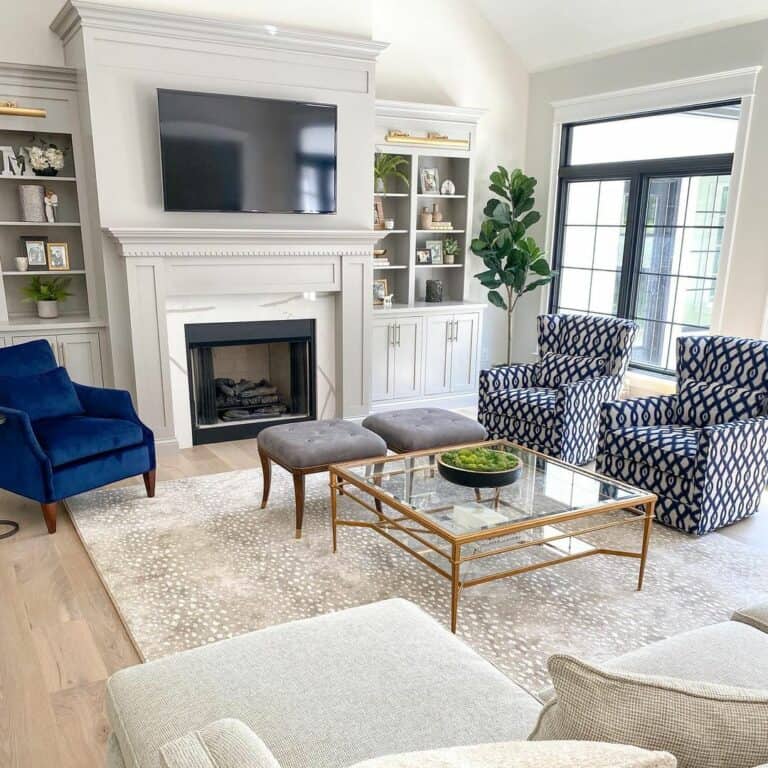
{"x":58,"y":257}
{"x":380,"y":291}
{"x":435,"y":248}
{"x":378,"y":213}
{"x":430,"y":180}
{"x":423,"y":256}
{"x":35,"y":250}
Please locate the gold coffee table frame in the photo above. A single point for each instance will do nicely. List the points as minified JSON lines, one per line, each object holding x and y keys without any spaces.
{"x":392,"y":514}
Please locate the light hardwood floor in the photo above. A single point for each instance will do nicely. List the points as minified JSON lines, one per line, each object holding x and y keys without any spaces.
{"x":60,"y":637}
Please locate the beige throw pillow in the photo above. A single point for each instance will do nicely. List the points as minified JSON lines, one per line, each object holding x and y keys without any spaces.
{"x":701,"y":724}
{"x":756,"y":616}
{"x":225,"y":743}
{"x":526,"y":754}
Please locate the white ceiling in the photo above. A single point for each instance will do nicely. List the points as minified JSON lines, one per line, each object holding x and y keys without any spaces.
{"x":547,"y":33}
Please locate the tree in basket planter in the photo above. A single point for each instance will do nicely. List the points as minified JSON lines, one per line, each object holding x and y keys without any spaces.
{"x":515,"y":265}
{"x":47,"y":294}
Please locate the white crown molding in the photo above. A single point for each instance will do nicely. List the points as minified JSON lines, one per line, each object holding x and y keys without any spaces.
{"x":160,"y":242}
{"x":718,"y":86}
{"x":90,"y":14}
{"x":31,"y":75}
{"x":415,"y":111}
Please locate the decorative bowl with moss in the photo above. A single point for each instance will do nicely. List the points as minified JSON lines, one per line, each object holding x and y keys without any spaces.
{"x":479,"y":467}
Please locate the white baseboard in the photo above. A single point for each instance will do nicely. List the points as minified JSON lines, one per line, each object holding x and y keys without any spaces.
{"x":167,"y":446}
{"x":449,"y":401}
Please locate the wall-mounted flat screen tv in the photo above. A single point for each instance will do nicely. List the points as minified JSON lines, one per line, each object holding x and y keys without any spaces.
{"x":236,"y":153}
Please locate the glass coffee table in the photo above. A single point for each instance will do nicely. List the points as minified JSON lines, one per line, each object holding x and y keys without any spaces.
{"x":473,"y":536}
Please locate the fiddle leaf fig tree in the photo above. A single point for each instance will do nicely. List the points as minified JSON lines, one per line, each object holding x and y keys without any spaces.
{"x":515,"y":265}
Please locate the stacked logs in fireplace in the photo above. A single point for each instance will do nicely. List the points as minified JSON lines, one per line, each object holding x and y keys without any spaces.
{"x":245,"y":399}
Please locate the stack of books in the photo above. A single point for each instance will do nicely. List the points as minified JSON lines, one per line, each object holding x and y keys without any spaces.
{"x":441,"y":225}
{"x":380,"y":261}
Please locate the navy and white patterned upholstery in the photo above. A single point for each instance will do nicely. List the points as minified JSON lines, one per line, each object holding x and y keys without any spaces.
{"x":554,"y":370}
{"x":707,"y":476}
{"x":560,"y":421}
{"x":702,"y":403}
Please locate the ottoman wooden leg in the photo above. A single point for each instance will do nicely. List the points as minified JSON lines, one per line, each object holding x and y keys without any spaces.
{"x":298,"y":487}
{"x":266,"y":471}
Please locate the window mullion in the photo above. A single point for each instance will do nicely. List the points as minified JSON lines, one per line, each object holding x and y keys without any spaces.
{"x":630,"y":267}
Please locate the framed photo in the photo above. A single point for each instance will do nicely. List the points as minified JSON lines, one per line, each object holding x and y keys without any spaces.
{"x":378,"y":213}
{"x":430,"y":180}
{"x":435,"y":248}
{"x":58,"y":256}
{"x":34,"y":250}
{"x":380,"y":292}
{"x":423,"y":256}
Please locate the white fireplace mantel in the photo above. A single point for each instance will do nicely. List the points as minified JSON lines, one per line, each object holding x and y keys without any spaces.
{"x":193,"y":241}
{"x":168,"y":263}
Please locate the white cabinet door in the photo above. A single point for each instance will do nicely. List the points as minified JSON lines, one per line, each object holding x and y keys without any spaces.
{"x":437,"y":360}
{"x":407,"y":347}
{"x":382,"y":362}
{"x":464,"y":352}
{"x":79,"y":353}
{"x":50,"y":339}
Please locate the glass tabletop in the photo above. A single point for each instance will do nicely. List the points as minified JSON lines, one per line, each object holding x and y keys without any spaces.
{"x":543,"y":489}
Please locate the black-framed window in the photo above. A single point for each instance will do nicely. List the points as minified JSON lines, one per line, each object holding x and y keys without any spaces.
{"x":640,"y":226}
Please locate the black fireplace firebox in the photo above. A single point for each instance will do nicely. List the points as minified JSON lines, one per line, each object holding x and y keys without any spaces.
{"x":244,"y":377}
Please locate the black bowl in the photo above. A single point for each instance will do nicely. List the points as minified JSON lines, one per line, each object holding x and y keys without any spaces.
{"x":471,"y":478}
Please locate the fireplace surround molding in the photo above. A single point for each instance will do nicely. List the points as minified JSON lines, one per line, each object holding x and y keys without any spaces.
{"x":166,"y":263}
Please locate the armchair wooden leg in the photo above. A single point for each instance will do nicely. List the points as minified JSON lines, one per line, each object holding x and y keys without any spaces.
{"x":149,"y":482}
{"x":49,"y":513}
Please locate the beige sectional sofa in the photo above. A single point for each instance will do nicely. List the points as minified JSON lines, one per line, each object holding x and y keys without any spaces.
{"x":377,"y":680}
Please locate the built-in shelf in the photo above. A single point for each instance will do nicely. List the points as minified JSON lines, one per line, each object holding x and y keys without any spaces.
{"x":385,"y":232}
{"x":392,"y":266}
{"x":18,"y":322}
{"x":39,"y":179}
{"x":443,"y":197}
{"x":439,"y":231}
{"x":439,"y":266}
{"x":39,"y":224}
{"x":390,"y":194}
{"x":53,"y":272}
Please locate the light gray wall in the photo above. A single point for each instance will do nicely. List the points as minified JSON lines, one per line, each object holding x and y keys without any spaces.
{"x":743,"y":46}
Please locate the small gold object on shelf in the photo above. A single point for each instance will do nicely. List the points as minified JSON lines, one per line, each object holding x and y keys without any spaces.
{"x":431,"y":139}
{"x":11,"y":108}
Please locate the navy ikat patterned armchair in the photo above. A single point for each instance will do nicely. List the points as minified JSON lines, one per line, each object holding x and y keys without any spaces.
{"x":703,"y":451}
{"x":553,"y":406}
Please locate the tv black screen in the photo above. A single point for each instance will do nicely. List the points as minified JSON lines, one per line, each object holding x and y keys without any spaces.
{"x":236,"y":153}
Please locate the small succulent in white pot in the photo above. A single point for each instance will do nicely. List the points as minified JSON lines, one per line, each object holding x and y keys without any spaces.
{"x":47,"y":293}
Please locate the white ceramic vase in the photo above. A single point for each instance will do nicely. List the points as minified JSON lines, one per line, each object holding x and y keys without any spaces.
{"x":47,"y":309}
{"x":22,"y":265}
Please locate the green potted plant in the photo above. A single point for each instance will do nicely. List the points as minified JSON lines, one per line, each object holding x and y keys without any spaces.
{"x":47,"y":294}
{"x":515,"y":265}
{"x":450,"y":250}
{"x":386,"y":166}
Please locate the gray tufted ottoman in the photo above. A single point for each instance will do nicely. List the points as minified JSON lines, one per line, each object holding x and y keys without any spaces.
{"x":422,"y":429}
{"x":309,"y":447}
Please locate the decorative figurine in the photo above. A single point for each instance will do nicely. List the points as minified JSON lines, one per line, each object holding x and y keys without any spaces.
{"x":51,"y":203}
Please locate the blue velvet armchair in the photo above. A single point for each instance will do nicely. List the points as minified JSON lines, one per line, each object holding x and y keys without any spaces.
{"x":703,"y":451}
{"x":58,"y":439}
{"x":553,"y":406}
